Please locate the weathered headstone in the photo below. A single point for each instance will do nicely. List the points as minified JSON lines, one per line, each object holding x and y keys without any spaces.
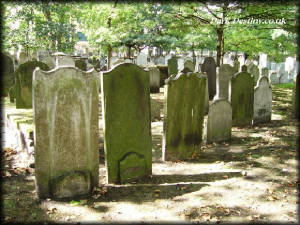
{"x":224,"y":76}
{"x":50,"y":61}
{"x":65,"y":60}
{"x":242,"y":98}
{"x":209,"y":67}
{"x":219,"y":121}
{"x":183,"y":117}
{"x":65,"y":107}
{"x":23,"y":85}
{"x":141,"y":59}
{"x":180,"y":62}
{"x":172,"y":66}
{"x":262,"y":101}
{"x":254,"y":71}
{"x":127,"y":127}
{"x":81,"y":64}
{"x":189,"y":66}
{"x":236,"y":65}
{"x":154,"y":79}
{"x":273,"y":77}
{"x":160,"y":60}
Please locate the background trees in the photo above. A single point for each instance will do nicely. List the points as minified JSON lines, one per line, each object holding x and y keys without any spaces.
{"x":166,"y":26}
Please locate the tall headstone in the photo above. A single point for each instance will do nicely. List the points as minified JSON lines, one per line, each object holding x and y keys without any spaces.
{"x":254,"y":71}
{"x":65,"y":109}
{"x":127,"y":125}
{"x":262,"y":101}
{"x":183,"y":116}
{"x":242,"y":89}
{"x":219,"y":121}
{"x":154,"y":79}
{"x":141,"y":59}
{"x":173,"y":66}
{"x":224,"y":76}
{"x":209,"y":67}
{"x":23,"y":85}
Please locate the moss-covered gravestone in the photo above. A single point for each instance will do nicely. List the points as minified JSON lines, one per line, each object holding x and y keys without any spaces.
{"x":127,"y":126}
{"x":173,"y":66}
{"x":154,"y":79}
{"x":224,"y":75}
{"x":81,"y":64}
{"x":219,"y":121}
{"x":23,"y":85}
{"x":183,"y":115}
{"x":262,"y":101}
{"x":242,"y":99}
{"x":65,"y":110}
{"x":209,"y":67}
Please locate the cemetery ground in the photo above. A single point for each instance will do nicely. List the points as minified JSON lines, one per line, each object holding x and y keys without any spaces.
{"x":252,"y":178}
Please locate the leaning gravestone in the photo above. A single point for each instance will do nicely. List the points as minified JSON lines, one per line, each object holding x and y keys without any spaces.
{"x":154,"y":79}
{"x":127,"y":126}
{"x":254,"y":71}
{"x":262,"y":101}
{"x":23,"y":85}
{"x":224,"y":76}
{"x":219,"y":124}
{"x":242,"y":99}
{"x":172,"y":66}
{"x":65,"y":109}
{"x":209,"y":67}
{"x":183,"y":119}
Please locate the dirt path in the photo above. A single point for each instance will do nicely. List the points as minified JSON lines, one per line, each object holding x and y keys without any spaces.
{"x":253,"y":178}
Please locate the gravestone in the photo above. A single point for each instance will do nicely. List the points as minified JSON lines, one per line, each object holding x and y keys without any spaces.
{"x":160,"y":60}
{"x":183,"y":115}
{"x":23,"y":85}
{"x":254,"y":71}
{"x":50,"y":61}
{"x":265,"y":72}
{"x":127,"y":126}
{"x":189,"y":66}
{"x":262,"y":101}
{"x":180,"y":62}
{"x":236,"y":65}
{"x":219,"y":124}
{"x":22,"y":58}
{"x":141,"y":59}
{"x":242,"y":99}
{"x":64,"y":60}
{"x":65,"y":109}
{"x":81,"y":64}
{"x":273,"y":77}
{"x":224,"y":76}
{"x":172,"y":66}
{"x":163,"y":71}
{"x":154,"y":79}
{"x":209,"y":67}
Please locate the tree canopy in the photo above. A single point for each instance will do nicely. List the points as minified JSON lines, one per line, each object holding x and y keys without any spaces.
{"x":249,"y":27}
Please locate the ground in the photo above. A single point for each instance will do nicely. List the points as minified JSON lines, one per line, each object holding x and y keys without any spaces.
{"x":252,"y":178}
